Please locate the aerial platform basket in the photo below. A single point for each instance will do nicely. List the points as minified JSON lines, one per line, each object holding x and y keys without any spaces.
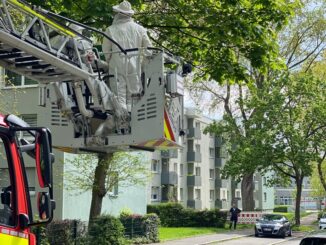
{"x":40,"y":45}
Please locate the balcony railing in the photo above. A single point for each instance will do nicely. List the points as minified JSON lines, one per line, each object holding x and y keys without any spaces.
{"x":219,"y":162}
{"x":194,"y":133}
{"x":218,"y":141}
{"x":193,"y":156}
{"x":169,"y":154}
{"x":194,"y":180}
{"x":196,"y":204}
{"x":169,"y":178}
{"x":218,"y":203}
{"x":218,"y":183}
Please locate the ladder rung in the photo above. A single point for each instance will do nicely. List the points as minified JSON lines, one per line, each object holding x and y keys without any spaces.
{"x":11,"y":55}
{"x":30,"y":63}
{"x":26,"y":58}
{"x":39,"y":66}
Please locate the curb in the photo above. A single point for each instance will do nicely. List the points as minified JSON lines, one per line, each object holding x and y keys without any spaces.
{"x":225,"y":239}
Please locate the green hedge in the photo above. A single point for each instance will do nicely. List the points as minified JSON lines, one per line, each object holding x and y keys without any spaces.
{"x":281,"y":209}
{"x":106,"y":229}
{"x":141,"y":229}
{"x":175,"y":215}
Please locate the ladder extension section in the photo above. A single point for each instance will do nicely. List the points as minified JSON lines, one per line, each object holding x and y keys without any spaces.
{"x":43,"y":48}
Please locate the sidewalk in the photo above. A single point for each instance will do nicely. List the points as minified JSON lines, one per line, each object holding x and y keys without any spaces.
{"x":206,"y":239}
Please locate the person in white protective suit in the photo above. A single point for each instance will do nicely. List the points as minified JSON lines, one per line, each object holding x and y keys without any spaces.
{"x":129,"y":35}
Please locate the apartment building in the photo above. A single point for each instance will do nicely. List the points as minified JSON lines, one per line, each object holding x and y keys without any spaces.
{"x":192,"y":175}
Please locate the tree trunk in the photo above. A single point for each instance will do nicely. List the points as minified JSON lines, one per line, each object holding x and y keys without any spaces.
{"x":298,"y":181}
{"x":99,"y":190}
{"x":247,"y":192}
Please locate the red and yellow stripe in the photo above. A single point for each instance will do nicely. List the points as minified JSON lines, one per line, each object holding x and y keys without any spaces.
{"x":169,"y":140}
{"x":168,"y":132}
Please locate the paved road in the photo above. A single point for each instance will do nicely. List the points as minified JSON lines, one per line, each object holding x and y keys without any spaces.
{"x":295,"y":240}
{"x":243,"y":237}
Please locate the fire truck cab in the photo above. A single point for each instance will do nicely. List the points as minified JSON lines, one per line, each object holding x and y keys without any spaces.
{"x":24,"y":202}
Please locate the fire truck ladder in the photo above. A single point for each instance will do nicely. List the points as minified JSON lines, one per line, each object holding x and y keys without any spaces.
{"x":36,"y":44}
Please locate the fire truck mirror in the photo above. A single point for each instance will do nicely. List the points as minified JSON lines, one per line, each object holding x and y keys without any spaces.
{"x":44,"y":206}
{"x":44,"y":158}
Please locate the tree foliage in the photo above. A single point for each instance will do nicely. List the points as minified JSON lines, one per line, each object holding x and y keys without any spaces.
{"x":212,"y":35}
{"x":125,"y":169}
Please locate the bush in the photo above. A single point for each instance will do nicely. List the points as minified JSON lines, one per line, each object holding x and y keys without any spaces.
{"x":175,"y":215}
{"x":281,"y":209}
{"x":141,"y":229}
{"x":151,"y":223}
{"x":106,"y":229}
{"x":65,"y":232}
{"x":169,"y":213}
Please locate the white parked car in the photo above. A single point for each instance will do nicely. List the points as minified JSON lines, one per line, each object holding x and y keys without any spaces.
{"x":322,"y":222}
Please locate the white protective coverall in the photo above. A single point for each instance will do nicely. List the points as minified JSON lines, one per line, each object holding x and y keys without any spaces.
{"x":129,"y":35}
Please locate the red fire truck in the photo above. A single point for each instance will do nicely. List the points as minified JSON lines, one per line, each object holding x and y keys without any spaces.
{"x":24,"y":202}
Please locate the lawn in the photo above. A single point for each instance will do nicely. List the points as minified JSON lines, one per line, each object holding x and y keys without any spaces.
{"x":172,"y":233}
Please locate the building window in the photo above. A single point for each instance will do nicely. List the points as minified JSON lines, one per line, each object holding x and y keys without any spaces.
{"x":265,"y":180}
{"x":197,"y":148}
{"x":265,"y":197}
{"x":197,"y":171}
{"x":154,"y":193}
{"x":175,"y":167}
{"x":155,"y":165}
{"x":211,"y":152}
{"x":181,"y":169}
{"x":211,"y":195}
{"x":211,"y":173}
{"x":223,"y":194}
{"x":238,"y":193}
{"x":197,"y":125}
{"x":13,"y":79}
{"x":113,"y":191}
{"x":217,"y":152}
{"x":181,"y":194}
{"x":197,"y":194}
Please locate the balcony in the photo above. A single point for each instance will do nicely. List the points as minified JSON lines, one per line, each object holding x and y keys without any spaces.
{"x":193,"y":156}
{"x":218,"y":203}
{"x":196,"y":204}
{"x":194,"y":180}
{"x":169,"y":178}
{"x":218,"y":183}
{"x":218,"y":141}
{"x":219,"y":162}
{"x":194,"y":133}
{"x":211,"y":184}
{"x":169,"y":154}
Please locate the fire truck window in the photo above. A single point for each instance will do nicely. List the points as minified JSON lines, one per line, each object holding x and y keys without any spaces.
{"x":6,"y":204}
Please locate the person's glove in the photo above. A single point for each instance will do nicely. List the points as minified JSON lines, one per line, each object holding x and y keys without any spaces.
{"x":90,"y":56}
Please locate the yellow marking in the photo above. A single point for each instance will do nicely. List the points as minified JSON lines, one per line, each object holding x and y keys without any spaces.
{"x":64,"y":149}
{"x":51,"y":23}
{"x":7,"y":239}
{"x":166,"y":130}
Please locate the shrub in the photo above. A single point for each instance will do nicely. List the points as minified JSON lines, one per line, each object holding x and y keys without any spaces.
{"x":281,"y":209}
{"x":169,"y":213}
{"x":40,"y":233}
{"x":175,"y":215}
{"x":65,"y":232}
{"x":151,"y":223}
{"x":106,"y":229}
{"x":141,"y":228}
